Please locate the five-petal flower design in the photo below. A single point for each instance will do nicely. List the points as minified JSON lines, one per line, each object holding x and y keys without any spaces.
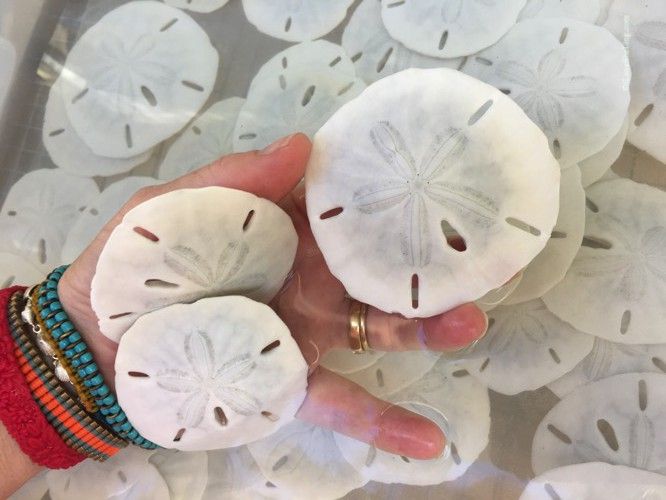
{"x":412,"y":186}
{"x":205,"y":378}
{"x":635,"y":264}
{"x":545,"y":89}
{"x":221,"y":279}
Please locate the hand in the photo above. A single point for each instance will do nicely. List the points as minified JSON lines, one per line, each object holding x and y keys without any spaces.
{"x":313,"y":304}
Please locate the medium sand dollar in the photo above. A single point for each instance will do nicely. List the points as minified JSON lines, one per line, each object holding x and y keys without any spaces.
{"x":449,"y":28}
{"x":423,"y":157}
{"x":526,"y":347}
{"x":593,"y":481}
{"x":558,"y":70}
{"x":66,"y":148}
{"x":218,"y":373}
{"x":549,"y":267}
{"x":377,"y":55}
{"x":616,"y":287}
{"x":189,"y":244}
{"x":137,"y":77}
{"x":207,"y":139}
{"x":296,"y":20}
{"x":618,"y":420}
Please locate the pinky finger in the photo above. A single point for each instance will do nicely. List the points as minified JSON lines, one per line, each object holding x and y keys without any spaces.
{"x":345,"y":407}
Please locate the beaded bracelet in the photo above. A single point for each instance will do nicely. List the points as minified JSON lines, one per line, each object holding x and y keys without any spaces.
{"x":75,"y":426}
{"x":74,"y":349}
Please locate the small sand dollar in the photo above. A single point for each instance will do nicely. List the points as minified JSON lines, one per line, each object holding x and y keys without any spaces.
{"x":449,"y":28}
{"x":189,"y":244}
{"x":203,"y":6}
{"x":296,"y":20}
{"x":66,"y":148}
{"x":549,"y":267}
{"x":137,"y":77}
{"x":526,"y":347}
{"x":452,"y":399}
{"x":593,"y":481}
{"x":375,"y":53}
{"x":38,"y":212}
{"x":206,"y":139}
{"x":616,"y":287}
{"x":316,"y":56}
{"x":557,"y":70}
{"x":303,"y":461}
{"x":618,"y":420}
{"x":300,"y":102}
{"x":583,"y":10}
{"x":99,"y":211}
{"x":218,"y":373}
{"x":420,"y":159}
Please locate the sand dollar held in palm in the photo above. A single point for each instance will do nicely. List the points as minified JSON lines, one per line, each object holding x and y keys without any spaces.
{"x":189,"y":244}
{"x":558,"y":70}
{"x":449,"y":28}
{"x":137,"y":77}
{"x":218,"y":373}
{"x":419,"y":159}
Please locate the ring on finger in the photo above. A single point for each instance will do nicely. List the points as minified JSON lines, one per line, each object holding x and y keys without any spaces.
{"x":358,"y":338}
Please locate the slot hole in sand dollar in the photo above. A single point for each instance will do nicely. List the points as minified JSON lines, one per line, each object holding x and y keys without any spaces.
{"x":158,"y":283}
{"x":168,"y":25}
{"x":270,"y":347}
{"x":248,"y":220}
{"x":453,"y":238}
{"x":146,"y":234}
{"x":415,"y":291}
{"x":596,"y":243}
{"x":523,"y":226}
{"x":220,"y":416}
{"x":308,"y":95}
{"x":333,"y":212}
{"x":608,"y":433}
{"x":149,"y":96}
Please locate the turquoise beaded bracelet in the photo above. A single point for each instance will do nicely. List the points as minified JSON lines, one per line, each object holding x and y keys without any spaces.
{"x":76,"y":351}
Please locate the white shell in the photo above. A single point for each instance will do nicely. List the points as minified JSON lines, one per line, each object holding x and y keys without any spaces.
{"x":608,"y":358}
{"x":296,"y":20}
{"x":301,"y":102}
{"x":99,"y":211}
{"x":185,"y":473}
{"x":137,"y":77}
{"x":557,"y":70}
{"x":429,"y":146}
{"x":7,"y":66}
{"x":526,"y":347}
{"x":375,"y":53}
{"x":458,"y":404}
{"x":15,"y":270}
{"x":642,"y":26}
{"x":203,"y":6}
{"x":211,"y":241}
{"x":66,"y":148}
{"x":126,"y":476}
{"x":38,"y":211}
{"x":218,"y":373}
{"x":618,"y":420}
{"x":593,"y":481}
{"x":304,"y":461}
{"x":616,"y":287}
{"x":206,"y":139}
{"x":583,"y":10}
{"x":313,"y":57}
{"x":549,"y":267}
{"x":449,"y":28}
{"x":593,"y":168}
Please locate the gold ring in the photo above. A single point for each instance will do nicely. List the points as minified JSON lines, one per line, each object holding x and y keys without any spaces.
{"x":358,"y":339}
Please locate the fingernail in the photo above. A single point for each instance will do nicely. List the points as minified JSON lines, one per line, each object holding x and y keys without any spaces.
{"x":276,"y":146}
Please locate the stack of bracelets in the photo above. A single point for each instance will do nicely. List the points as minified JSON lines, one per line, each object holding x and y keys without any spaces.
{"x":53,"y":399}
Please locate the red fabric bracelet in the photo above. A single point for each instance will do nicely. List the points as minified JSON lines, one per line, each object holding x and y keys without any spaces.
{"x":19,"y":412}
